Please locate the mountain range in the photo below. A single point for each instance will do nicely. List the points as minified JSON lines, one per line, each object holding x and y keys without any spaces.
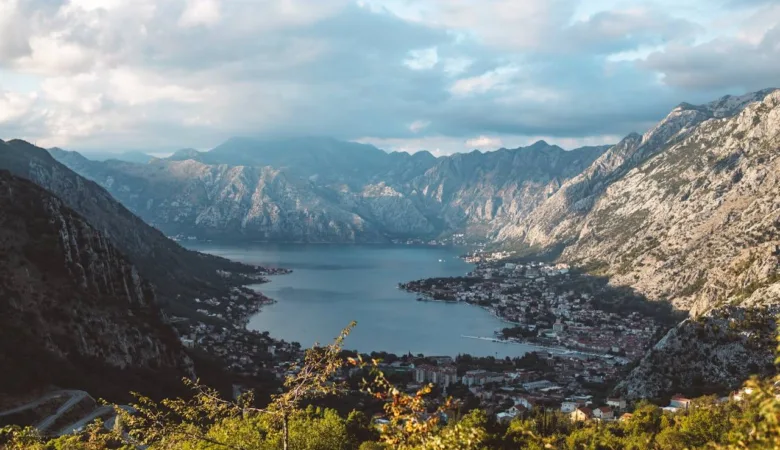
{"x":324,"y":190}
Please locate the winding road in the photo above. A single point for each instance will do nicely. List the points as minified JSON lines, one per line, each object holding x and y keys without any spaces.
{"x":74,"y":397}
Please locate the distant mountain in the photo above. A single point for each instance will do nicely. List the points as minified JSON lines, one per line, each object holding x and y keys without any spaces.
{"x":74,"y":311}
{"x":324,"y":190}
{"x":178,"y":274}
{"x":131,"y":156}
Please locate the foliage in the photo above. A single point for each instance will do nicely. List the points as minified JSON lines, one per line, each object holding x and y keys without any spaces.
{"x":205,"y":421}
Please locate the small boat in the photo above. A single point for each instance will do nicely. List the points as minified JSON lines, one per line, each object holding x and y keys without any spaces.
{"x":441,"y":260}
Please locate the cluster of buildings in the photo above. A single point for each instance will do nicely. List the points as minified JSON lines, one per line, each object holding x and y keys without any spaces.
{"x":458,"y":239}
{"x":508,"y":388}
{"x":244,"y":352}
{"x":549,"y":305}
{"x":221,"y":331}
{"x":235,"y":308}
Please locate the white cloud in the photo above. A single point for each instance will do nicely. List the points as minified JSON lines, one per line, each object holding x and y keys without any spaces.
{"x":52,"y":54}
{"x":499,"y":78}
{"x":484,"y":143}
{"x":13,"y":31}
{"x":200,"y":12}
{"x":92,"y":5}
{"x":456,"y":66}
{"x":422,"y":59}
{"x":15,"y":106}
{"x":418,"y":125}
{"x":134,"y":88}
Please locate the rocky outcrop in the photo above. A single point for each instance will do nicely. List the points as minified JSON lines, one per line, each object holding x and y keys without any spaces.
{"x":73,"y":308}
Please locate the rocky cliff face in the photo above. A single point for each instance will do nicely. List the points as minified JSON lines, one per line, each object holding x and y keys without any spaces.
{"x":391,"y":196}
{"x":73,"y":308}
{"x":172,"y":269}
{"x":698,"y":223}
{"x":560,"y":218}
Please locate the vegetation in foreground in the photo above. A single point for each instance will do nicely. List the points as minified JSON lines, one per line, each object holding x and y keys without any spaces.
{"x":206,"y":421}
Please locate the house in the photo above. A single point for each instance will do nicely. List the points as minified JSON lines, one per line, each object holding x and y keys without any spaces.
{"x":504,"y":417}
{"x":526,"y":402}
{"x":581,"y":414}
{"x":518,"y":410}
{"x":445,"y":376}
{"x":442,"y":360}
{"x":603,"y":413}
{"x":680,"y":402}
{"x":481,"y":377}
{"x":536,"y":385}
{"x":570,"y":405}
{"x":616,"y":403}
{"x":442,"y":376}
{"x":626,"y":417}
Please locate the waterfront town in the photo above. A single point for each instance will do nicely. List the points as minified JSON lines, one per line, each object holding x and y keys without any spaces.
{"x":585,"y":331}
{"x":554,"y":306}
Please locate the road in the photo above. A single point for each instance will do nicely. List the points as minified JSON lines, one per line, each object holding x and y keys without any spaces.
{"x":39,"y":401}
{"x":80,"y":424}
{"x":73,"y":401}
{"x":74,"y":397}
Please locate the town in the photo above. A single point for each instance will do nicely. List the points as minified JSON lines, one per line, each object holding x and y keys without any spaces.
{"x":554,"y":306}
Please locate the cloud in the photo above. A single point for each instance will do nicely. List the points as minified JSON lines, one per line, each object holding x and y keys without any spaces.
{"x":747,"y":61}
{"x":13,"y":31}
{"x":496,"y":79}
{"x":200,"y":12}
{"x":456,"y":66}
{"x":484,"y":142}
{"x":423,"y":59}
{"x":190,"y":73}
{"x":14,"y":107}
{"x":418,"y":125}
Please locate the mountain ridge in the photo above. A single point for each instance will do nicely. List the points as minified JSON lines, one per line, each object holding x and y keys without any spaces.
{"x":73,"y":306}
{"x":406,"y":196}
{"x":173,"y":270}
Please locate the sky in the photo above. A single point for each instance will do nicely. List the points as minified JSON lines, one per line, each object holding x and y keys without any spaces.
{"x":440,"y":75}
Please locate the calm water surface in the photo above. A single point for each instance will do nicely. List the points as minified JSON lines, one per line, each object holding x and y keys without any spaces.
{"x":334,"y":284}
